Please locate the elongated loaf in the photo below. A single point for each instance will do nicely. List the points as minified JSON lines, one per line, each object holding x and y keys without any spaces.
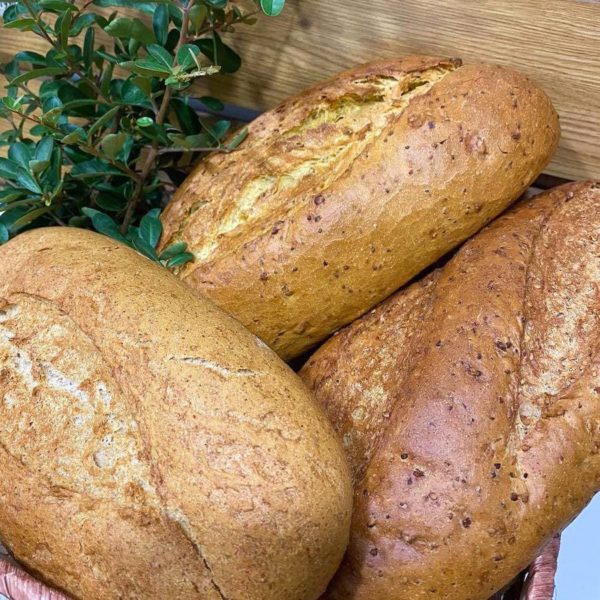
{"x":150,"y":446}
{"x":346,"y":191}
{"x":469,"y":405}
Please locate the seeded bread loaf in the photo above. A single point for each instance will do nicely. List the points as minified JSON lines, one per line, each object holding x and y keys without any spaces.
{"x":150,"y":446}
{"x":469,"y":405}
{"x":349,"y":189}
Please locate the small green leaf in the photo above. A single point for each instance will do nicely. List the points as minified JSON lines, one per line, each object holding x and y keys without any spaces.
{"x":8,"y":168}
{"x":151,"y":227}
{"x":86,"y":21}
{"x":272,"y":8}
{"x":29,"y":217}
{"x":217,"y":3}
{"x":173,"y":250}
{"x":56,"y":5}
{"x":23,"y":24}
{"x":31,"y":57}
{"x":161,"y":56}
{"x":20,"y":154}
{"x":88,"y":48}
{"x":225,"y":57}
{"x":133,"y":95}
{"x":180,"y":259}
{"x":187,"y":117}
{"x":155,"y":132}
{"x":189,"y":142}
{"x":144,"y":122}
{"x":198,"y":14}
{"x":22,"y":204}
{"x":4,"y":235}
{"x":78,"y":221}
{"x":35,"y":73}
{"x":65,"y":21}
{"x":75,"y":136}
{"x":100,"y":52}
{"x":144,"y":83}
{"x":52,"y":116}
{"x":43,"y":150}
{"x":75,"y":104}
{"x":186,"y":56}
{"x":112,"y":144}
{"x":37,"y":166}
{"x":160,"y":23}
{"x":9,"y":195}
{"x":220,"y":128}
{"x":103,"y":120}
{"x":125,"y":28}
{"x":106,"y":79}
{"x":146,"y":66}
{"x":93,"y":168}
{"x":141,"y":245}
{"x":25,"y":179}
{"x":109,"y":203}
{"x":237,"y":139}
{"x":104,"y":224}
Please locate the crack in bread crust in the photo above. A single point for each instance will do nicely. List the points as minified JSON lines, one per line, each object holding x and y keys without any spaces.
{"x":351,"y":123}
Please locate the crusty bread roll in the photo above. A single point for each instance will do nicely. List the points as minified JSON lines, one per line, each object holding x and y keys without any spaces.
{"x":150,"y":446}
{"x":469,"y":405}
{"x":346,"y":191}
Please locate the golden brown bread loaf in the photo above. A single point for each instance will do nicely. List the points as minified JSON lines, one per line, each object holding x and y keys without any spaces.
{"x":469,"y":405}
{"x":150,"y":446}
{"x":346,"y":191}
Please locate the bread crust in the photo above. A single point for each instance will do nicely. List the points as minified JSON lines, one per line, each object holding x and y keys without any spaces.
{"x":469,"y":405}
{"x":346,"y":191}
{"x":150,"y":446}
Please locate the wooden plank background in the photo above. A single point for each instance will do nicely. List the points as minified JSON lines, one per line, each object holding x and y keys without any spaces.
{"x":556,"y":42}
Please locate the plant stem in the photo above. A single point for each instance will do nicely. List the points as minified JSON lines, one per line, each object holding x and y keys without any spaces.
{"x":219,"y":26}
{"x":153,"y":153}
{"x":38,"y":22}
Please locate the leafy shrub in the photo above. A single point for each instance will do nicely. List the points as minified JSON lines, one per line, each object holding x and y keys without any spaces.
{"x":113,"y":130}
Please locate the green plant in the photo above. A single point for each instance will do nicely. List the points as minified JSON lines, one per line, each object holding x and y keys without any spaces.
{"x":112,"y":130}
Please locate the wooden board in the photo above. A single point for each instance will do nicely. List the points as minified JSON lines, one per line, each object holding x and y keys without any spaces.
{"x":556,"y":42}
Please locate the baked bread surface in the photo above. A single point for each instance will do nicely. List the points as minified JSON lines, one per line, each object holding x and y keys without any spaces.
{"x":469,"y":407}
{"x":346,"y":191}
{"x":150,"y":446}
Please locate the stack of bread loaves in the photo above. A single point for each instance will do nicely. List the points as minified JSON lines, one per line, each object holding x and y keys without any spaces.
{"x":154,"y":447}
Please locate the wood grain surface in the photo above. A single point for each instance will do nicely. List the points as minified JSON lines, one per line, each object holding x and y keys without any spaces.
{"x":556,"y":42}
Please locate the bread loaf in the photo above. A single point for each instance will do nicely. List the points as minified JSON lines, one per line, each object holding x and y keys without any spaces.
{"x":346,"y":191}
{"x":150,"y":446}
{"x":469,"y":405}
